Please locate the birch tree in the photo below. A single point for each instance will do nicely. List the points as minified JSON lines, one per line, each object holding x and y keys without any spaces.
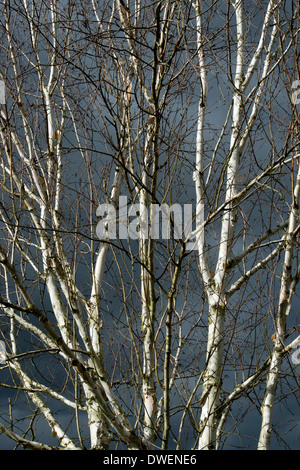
{"x":121,"y":331}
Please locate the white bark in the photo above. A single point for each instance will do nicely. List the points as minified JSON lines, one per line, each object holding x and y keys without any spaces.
{"x":216,"y":290}
{"x":136,"y":116}
{"x":216,"y":300}
{"x":284,"y":304}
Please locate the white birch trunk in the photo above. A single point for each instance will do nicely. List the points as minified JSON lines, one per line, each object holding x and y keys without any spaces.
{"x":145,"y":245}
{"x":284,"y":306}
{"x":147,"y":302}
{"x":212,"y":379}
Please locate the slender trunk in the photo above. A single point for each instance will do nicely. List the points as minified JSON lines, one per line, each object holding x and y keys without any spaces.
{"x":215,"y":288}
{"x":212,"y":379}
{"x":148,"y":306}
{"x":282,"y":313}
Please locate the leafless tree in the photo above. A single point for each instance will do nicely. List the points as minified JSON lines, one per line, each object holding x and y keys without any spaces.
{"x":145,"y":339}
